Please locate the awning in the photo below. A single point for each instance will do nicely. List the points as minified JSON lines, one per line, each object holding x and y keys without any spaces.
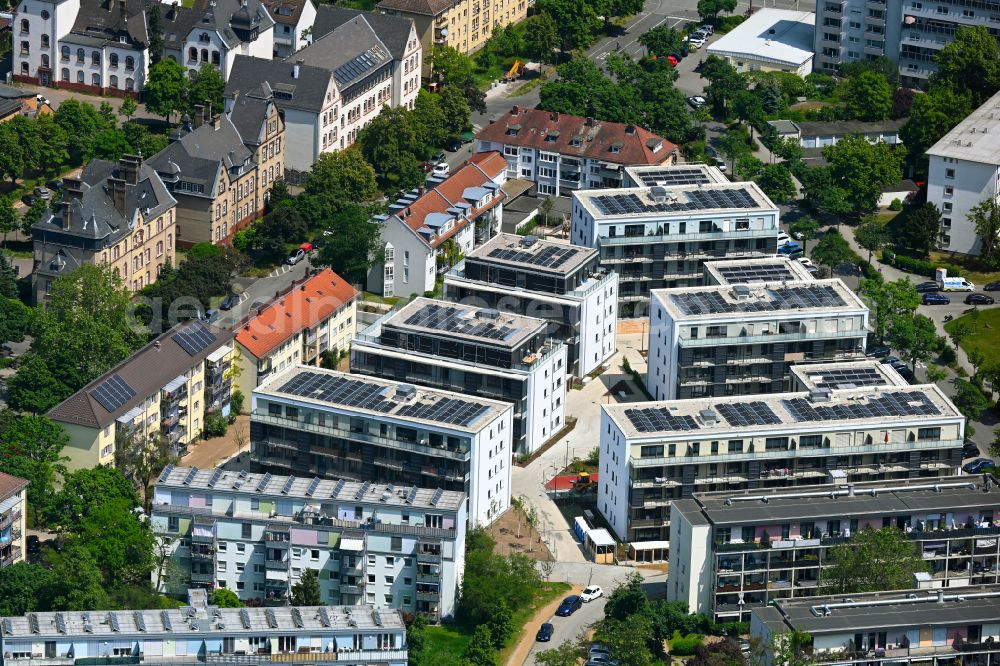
{"x":130,"y":415}
{"x":9,"y":503}
{"x":219,"y":353}
{"x":175,"y":384}
{"x":355,"y":545}
{"x":649,"y":545}
{"x":276,"y":574}
{"x":600,"y":537}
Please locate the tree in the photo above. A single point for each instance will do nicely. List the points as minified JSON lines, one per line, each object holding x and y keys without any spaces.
{"x":121,"y":542}
{"x":776,"y":181}
{"x":224,"y":598}
{"x":456,"y":69}
{"x":986,"y":219}
{"x":577,"y":20}
{"x":970,"y":400}
{"x":500,"y":623}
{"x":429,"y":122}
{"x":889,"y":301}
{"x":14,"y":319}
{"x":36,"y":212}
{"x":11,"y":153}
{"x":628,"y":640}
{"x":416,"y":639}
{"x":77,"y":581}
{"x":959,"y":330}
{"x":110,"y":145}
{"x":823,"y":191}
{"x":970,"y":64}
{"x":566,"y":654}
{"x":457,"y":114}
{"x":661,"y":40}
{"x":872,"y":235}
{"x":807,"y":227}
{"x":84,"y":490}
{"x":872,"y":560}
{"x":9,"y":221}
{"x":154,"y":28}
{"x":708,"y":10}
{"x":22,"y":588}
{"x":831,"y":250}
{"x":541,"y":37}
{"x":8,"y":278}
{"x":869,"y":96}
{"x":932,"y":115}
{"x":34,"y":388}
{"x":388,"y":143}
{"x":921,"y":229}
{"x":862,"y":169}
{"x":206,"y":89}
{"x":306,"y":592}
{"x":31,"y":448}
{"x":128,"y":107}
{"x":628,"y":599}
{"x":724,"y":84}
{"x":994,"y":452}
{"x":354,"y":246}
{"x":480,"y":651}
{"x":747,"y":108}
{"x":166,"y":88}
{"x":915,"y":338}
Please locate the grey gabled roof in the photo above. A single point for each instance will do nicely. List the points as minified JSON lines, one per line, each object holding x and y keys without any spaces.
{"x":394,"y":31}
{"x":110,"y":19}
{"x":199,"y":154}
{"x":351,"y":51}
{"x":250,"y":112}
{"x":307,"y":92}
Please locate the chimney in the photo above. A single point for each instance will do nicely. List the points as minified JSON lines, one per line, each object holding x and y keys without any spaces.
{"x":116,"y":187}
{"x":199,"y":115}
{"x":515,"y":110}
{"x":295,"y":68}
{"x":72,"y":188}
{"x":554,"y":117}
{"x":129,"y":165}
{"x":230,"y":103}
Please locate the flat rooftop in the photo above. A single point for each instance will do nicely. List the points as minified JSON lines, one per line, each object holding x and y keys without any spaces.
{"x":855,"y":613}
{"x":677,"y":201}
{"x":881,"y":498}
{"x":310,"y":489}
{"x":444,"y":319}
{"x":775,"y":35}
{"x":679,"y":174}
{"x":759,"y":299}
{"x":195,"y":622}
{"x":379,"y":398}
{"x":783,"y":413}
{"x":761,"y":269}
{"x":846,"y":374}
{"x":532,"y":253}
{"x":975,"y":138}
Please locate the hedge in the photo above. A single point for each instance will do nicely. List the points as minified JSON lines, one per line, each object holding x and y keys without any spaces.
{"x":682,"y":646}
{"x":919,"y":266}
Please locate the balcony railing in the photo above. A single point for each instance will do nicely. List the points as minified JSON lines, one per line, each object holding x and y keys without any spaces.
{"x":13,"y":555}
{"x":680,"y":238}
{"x":718,"y":341}
{"x":10,"y":518}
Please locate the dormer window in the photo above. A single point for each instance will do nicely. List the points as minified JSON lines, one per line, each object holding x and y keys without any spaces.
{"x":552,"y":136}
{"x":513,"y":130}
{"x":576,"y":142}
{"x":616,"y":147}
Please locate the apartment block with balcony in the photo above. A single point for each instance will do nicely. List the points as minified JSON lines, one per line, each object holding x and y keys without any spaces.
{"x":475,"y":351}
{"x":660,"y":236}
{"x":203,"y":634}
{"x":901,"y":627}
{"x":743,"y":339}
{"x":255,"y":534}
{"x":13,"y":526}
{"x":315,"y":315}
{"x":562,"y":284}
{"x":164,"y":391}
{"x":742,"y":551}
{"x":337,"y":425}
{"x":655,"y":453}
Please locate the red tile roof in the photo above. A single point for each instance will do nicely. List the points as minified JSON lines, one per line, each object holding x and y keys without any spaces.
{"x":305,"y":306}
{"x":479,"y":170}
{"x":532,"y":128}
{"x":10,"y":485}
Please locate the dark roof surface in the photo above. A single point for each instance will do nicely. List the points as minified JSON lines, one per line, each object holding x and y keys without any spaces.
{"x":287,"y":12}
{"x":818,"y":127}
{"x":111,"y":19}
{"x":394,"y":31}
{"x":428,"y":7}
{"x":307,"y":92}
{"x":352,"y":51}
{"x":250,"y":112}
{"x":199,"y":154}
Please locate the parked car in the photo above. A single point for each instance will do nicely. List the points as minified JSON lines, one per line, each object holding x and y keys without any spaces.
{"x":783,"y":238}
{"x":597,"y":649}
{"x":977,"y":465}
{"x":453,"y":145}
{"x":720,"y":164}
{"x":696,"y":102}
{"x":34,"y":545}
{"x":970,"y":450}
{"x":43,"y":193}
{"x":544,"y":634}
{"x":936,"y":299}
{"x":229,"y":302}
{"x":301,"y":253}
{"x":992,"y":286}
{"x":810,"y":266}
{"x":570,"y":605}
{"x":212,"y":316}
{"x":441,"y":169}
{"x":602,"y":660}
{"x":696,"y":40}
{"x":928,"y":288}
{"x":56,"y":185}
{"x":798,"y":235}
{"x":29,"y":200}
{"x":789,"y":248}
{"x":979,"y":299}
{"x":591,"y":593}
{"x":707,"y":29}
{"x":437,"y":159}
{"x":878,"y":352}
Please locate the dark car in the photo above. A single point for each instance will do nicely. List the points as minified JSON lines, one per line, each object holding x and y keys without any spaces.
{"x":453,"y":145}
{"x":878,"y":352}
{"x":992,"y":286}
{"x":29,"y":199}
{"x":936,"y":299}
{"x":570,"y":605}
{"x":229,"y":302}
{"x":977,"y":465}
{"x":544,"y":634}
{"x":970,"y":450}
{"x":55,"y":184}
{"x":34,"y":545}
{"x":928,"y":288}
{"x":979,"y":299}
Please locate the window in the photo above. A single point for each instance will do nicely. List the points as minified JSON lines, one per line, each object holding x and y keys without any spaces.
{"x":114,"y":81}
{"x":25,"y":26}
{"x":247,"y":530}
{"x":25,"y":49}
{"x":80,"y":56}
{"x":173,"y":523}
{"x":79,"y":77}
{"x":651,"y":451}
{"x":64,"y":50}
{"x":45,"y":41}
{"x":129,"y":63}
{"x":949,"y":173}
{"x":949,"y":191}
{"x":397,"y":544}
{"x":113,"y":60}
{"x":95,"y":58}
{"x":45,"y":60}
{"x":929,"y":433}
{"x":776,"y":444}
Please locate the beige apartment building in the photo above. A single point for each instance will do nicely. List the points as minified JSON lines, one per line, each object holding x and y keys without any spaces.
{"x":316,"y":314}
{"x":166,"y":389}
{"x":464,"y":25}
{"x":13,"y":509}
{"x":120,"y":215}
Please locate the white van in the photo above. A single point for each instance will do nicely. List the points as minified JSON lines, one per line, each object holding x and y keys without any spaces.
{"x":952,"y":283}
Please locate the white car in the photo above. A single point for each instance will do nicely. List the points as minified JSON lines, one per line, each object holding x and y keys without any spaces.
{"x":706,"y":29}
{"x":798,"y":235}
{"x":441,"y":169}
{"x":810,"y":266}
{"x":591,"y":593}
{"x":696,"y":102}
{"x":783,"y":239}
{"x":697,"y":40}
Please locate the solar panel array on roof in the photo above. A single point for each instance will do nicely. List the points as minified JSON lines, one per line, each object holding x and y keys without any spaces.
{"x":909,"y":403}
{"x":842,"y":377}
{"x":669,"y":177}
{"x":339,"y":390}
{"x":775,"y":272}
{"x":783,"y":298}
{"x":748,"y":413}
{"x":216,"y":475}
{"x":264,"y":480}
{"x":194,"y":337}
{"x":462,"y":321}
{"x":112,"y":393}
{"x":313,"y":485}
{"x":656,"y":419}
{"x":547,"y":257}
{"x":360,"y":65}
{"x":446,"y":410}
{"x":632,"y":204}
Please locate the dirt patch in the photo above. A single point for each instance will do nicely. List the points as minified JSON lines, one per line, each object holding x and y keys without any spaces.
{"x":512,"y":537}
{"x":632,"y":326}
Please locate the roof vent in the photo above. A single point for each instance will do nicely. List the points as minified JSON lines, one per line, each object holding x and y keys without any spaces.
{"x":630,"y":129}
{"x":489,"y":314}
{"x":741,"y":292}
{"x":406,"y":391}
{"x":708,"y":416}
{"x":658,"y":193}
{"x":528,"y":241}
{"x":819,"y":395}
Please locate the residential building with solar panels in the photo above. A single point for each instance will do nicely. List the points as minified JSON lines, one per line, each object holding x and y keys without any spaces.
{"x":671,"y":176}
{"x":166,"y":389}
{"x":845,"y":375}
{"x":733,"y":553}
{"x":199,"y":633}
{"x":340,"y":426}
{"x":560,"y":283}
{"x":477,"y":352}
{"x":654,"y":453}
{"x":743,"y":339}
{"x":751,"y":271}
{"x":376,"y":544}
{"x":660,"y":236}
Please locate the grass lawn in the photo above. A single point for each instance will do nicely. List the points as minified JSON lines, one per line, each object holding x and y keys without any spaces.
{"x":986,"y":337}
{"x":445,"y":644}
{"x":972,"y":270}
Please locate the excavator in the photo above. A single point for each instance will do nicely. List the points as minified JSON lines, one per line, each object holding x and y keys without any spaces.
{"x":516,"y":70}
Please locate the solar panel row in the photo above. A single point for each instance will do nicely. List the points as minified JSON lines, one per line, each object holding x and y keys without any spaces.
{"x":842,"y":377}
{"x":194,"y":337}
{"x":658,"y":420}
{"x":745,"y":274}
{"x":632,"y":204}
{"x":459,"y":320}
{"x":911,"y":403}
{"x":548,"y":257}
{"x":783,"y":298}
{"x":112,"y":393}
{"x":674,"y":177}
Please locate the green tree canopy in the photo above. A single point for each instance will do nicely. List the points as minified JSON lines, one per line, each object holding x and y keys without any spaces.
{"x":872,"y":235}
{"x":661,"y":40}
{"x":920,"y":231}
{"x":166,"y":88}
{"x":708,"y":10}
{"x":77,"y":583}
{"x":22,"y":588}
{"x":776,"y":181}
{"x":541,"y":37}
{"x":206,"y":89}
{"x":456,"y":70}
{"x":831,"y":250}
{"x":306,"y":591}
{"x":869,"y":96}
{"x":806,"y":226}
{"x":354,"y":245}
{"x":862,"y":169}
{"x":15,"y":318}
{"x":932,"y":115}
{"x":31,"y":448}
{"x":389,"y":143}
{"x":480,"y":650}
{"x":121,"y":542}
{"x":889,"y":301}
{"x":970,"y":400}
{"x":577,"y":20}
{"x":970,"y":64}
{"x":85,"y":490}
{"x":224,"y":598}
{"x":986,"y":219}
{"x":343,"y":176}
{"x":915,"y":338}
{"x":872,"y":560}
{"x":8,"y":278}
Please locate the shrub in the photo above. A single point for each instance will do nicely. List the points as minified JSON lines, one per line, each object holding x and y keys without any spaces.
{"x":215,"y":425}
{"x":682,"y":646}
{"x":896,"y":205}
{"x":921,"y":266}
{"x":948,"y":355}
